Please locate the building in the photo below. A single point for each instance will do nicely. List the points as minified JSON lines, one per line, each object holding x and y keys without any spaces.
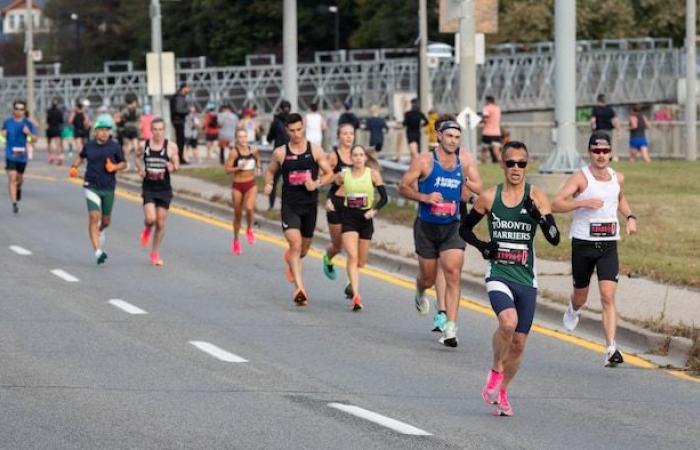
{"x":14,"y":14}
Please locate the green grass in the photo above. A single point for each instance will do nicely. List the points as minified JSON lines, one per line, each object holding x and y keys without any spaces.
{"x":662,"y":196}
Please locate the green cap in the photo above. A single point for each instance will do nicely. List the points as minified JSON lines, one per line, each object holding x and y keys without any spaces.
{"x":104,"y":121}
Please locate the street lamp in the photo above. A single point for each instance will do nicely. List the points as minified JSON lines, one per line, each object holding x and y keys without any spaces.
{"x":334,"y":10}
{"x":75,"y":18}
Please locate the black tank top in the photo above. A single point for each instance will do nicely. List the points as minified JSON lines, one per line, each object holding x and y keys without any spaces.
{"x":79,"y":121}
{"x":295,"y":170}
{"x":641,"y":128}
{"x":339,"y":166}
{"x":156,"y":166}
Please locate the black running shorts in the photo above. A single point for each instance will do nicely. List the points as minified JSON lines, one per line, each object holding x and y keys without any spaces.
{"x":302,"y":218}
{"x":354,"y":220}
{"x":432,"y":239}
{"x":336,"y":217}
{"x":160,"y":199}
{"x":587,"y":256}
{"x":15,"y":166}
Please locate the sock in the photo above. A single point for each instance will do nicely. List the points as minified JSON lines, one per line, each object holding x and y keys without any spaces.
{"x":98,"y":252}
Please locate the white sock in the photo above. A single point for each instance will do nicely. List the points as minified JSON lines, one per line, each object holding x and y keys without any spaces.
{"x":98,"y":253}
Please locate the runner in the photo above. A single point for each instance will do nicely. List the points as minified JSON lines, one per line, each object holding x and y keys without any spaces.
{"x":595,"y":195}
{"x":54,"y":125}
{"x":228,"y":123}
{"x":491,"y":134}
{"x":192,"y":124}
{"x":81,"y":125}
{"x":442,"y":182}
{"x":315,"y":125}
{"x":131,"y":116}
{"x":17,"y":131}
{"x":210,"y":127}
{"x":514,"y":209}
{"x":339,"y":160}
{"x":104,"y":159}
{"x":414,"y":120}
{"x":638,"y":139}
{"x":155,"y":161}
{"x":304,"y":170}
{"x":358,"y":184}
{"x":244,"y":163}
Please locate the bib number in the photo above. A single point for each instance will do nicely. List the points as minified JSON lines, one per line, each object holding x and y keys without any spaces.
{"x":299,"y":177}
{"x":246,"y":164}
{"x":155,"y":175}
{"x":18,"y":150}
{"x":511,"y":254}
{"x":357,"y":201}
{"x":603,"y":228}
{"x":444,"y":209}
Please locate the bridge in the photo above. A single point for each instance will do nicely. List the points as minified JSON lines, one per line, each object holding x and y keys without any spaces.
{"x":519,"y":77}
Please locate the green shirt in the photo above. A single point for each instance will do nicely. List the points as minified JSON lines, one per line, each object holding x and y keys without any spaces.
{"x":514,"y":231}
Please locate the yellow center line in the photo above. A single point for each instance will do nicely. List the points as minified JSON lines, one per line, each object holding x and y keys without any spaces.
{"x":409,"y":284}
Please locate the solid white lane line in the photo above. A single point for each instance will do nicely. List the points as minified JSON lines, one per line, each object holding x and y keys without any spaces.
{"x":64,"y":275}
{"x":20,"y":250}
{"x":217,"y":352}
{"x":126,"y":306}
{"x":379,"y":419}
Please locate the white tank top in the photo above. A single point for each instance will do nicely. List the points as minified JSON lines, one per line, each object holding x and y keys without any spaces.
{"x":598,"y":224}
{"x":314,"y":131}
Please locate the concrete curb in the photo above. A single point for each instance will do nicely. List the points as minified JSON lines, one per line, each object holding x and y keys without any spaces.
{"x":628,"y":334}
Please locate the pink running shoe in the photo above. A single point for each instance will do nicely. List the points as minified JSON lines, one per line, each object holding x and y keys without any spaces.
{"x":145,"y":236}
{"x":250,"y":235}
{"x":236,"y":247}
{"x":490,"y":391}
{"x":156,"y":260}
{"x":503,"y":407}
{"x":357,"y":303}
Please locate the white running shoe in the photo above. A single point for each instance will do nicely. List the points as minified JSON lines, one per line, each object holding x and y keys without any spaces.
{"x":449,"y":335}
{"x":422,"y":303}
{"x":570,"y":318}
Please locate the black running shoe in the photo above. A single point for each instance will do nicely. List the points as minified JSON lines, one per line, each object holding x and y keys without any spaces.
{"x":613,"y":358}
{"x":15,"y":208}
{"x":348,"y":291}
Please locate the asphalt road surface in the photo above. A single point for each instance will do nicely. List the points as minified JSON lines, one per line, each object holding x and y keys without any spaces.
{"x":209,"y":352}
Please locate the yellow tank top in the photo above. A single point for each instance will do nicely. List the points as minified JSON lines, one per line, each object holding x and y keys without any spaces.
{"x":359,"y":192}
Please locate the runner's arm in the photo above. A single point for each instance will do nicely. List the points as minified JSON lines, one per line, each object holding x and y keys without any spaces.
{"x":473,"y":183}
{"x":381,"y":190}
{"x":407,"y":185}
{"x":228,"y":167}
{"x":272,"y":168}
{"x":326,"y":176}
{"x":624,"y":207}
{"x":174,"y":157}
{"x":564,"y":201}
{"x":538,"y":207}
{"x":138,"y":160}
{"x":468,"y":222}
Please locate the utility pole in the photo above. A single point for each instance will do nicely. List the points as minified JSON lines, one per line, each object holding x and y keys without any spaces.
{"x":690,"y":83}
{"x":423,"y":76}
{"x":290,"y":88}
{"x":565,"y":158}
{"x":467,"y":69}
{"x":157,"y":47}
{"x":29,"y":48}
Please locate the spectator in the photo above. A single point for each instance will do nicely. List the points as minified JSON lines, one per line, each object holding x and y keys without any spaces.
{"x":414,"y":120}
{"x":491,"y":134}
{"x":603,"y":117}
{"x":638,"y":140}
{"x":348,"y":116}
{"x":192,"y":124}
{"x":145,"y":123}
{"x":377,"y":127}
{"x":315,"y":125}
{"x":431,"y":130}
{"x":278,"y":136}
{"x":332,"y":118}
{"x":54,"y":126}
{"x":178,"y":112}
{"x":249,"y":124}
{"x":210,"y":127}
{"x":228,"y":123}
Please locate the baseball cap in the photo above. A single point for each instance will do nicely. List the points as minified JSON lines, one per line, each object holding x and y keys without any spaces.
{"x":104,"y":122}
{"x":599,"y":139}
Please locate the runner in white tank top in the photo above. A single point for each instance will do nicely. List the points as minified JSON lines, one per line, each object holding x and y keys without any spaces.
{"x":314,"y":125}
{"x":595,"y":194}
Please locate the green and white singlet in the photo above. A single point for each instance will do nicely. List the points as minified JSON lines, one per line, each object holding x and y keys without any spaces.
{"x":514,"y":231}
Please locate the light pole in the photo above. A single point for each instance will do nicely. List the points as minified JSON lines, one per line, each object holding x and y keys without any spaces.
{"x":29,"y":44}
{"x":334,"y":10}
{"x":290,"y":87}
{"x":690,"y":82}
{"x":75,"y":18}
{"x":157,"y":47}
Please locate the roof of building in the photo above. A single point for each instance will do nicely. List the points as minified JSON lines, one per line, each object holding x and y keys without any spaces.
{"x":6,"y":5}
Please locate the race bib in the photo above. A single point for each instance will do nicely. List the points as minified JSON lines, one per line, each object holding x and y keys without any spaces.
{"x":444,"y":209}
{"x":299,"y":177}
{"x":510,"y":254}
{"x":155,"y":174}
{"x":246,"y":164}
{"x":18,"y":149}
{"x":357,"y":201}
{"x":603,"y":227}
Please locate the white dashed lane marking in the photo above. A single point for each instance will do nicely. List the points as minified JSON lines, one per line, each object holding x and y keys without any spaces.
{"x":217,"y":352}
{"x":379,"y":419}
{"x":20,"y":250}
{"x":62,"y":274}
{"x":126,"y":306}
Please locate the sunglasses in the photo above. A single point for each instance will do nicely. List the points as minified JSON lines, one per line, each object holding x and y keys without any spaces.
{"x":512,"y":163}
{"x":598,"y":151}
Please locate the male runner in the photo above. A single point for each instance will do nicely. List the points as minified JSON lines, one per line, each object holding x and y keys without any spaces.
{"x":304,"y":169}
{"x":491,"y":134}
{"x":514,"y":209}
{"x":16,"y":130}
{"x":442,"y":181}
{"x":104,"y":159}
{"x":156,"y":159}
{"x":595,"y":195}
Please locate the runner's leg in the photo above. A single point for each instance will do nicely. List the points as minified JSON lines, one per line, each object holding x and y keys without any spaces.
{"x":237,"y":198}
{"x":351,"y":246}
{"x":294,"y":240}
{"x":451,"y":262}
{"x":607,"y":300}
{"x":161,"y":215}
{"x":513,"y":358}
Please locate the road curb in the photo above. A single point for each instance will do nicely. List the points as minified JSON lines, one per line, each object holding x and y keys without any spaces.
{"x":676,"y":349}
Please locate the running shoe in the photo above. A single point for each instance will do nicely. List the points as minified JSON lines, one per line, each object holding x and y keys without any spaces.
{"x":570,"y":318}
{"x":250,"y":236}
{"x":101,"y":257}
{"x":287,"y":270}
{"x":421,"y":302}
{"x":103,"y":238}
{"x":503,"y":408}
{"x":156,"y":260}
{"x":15,"y":208}
{"x":613,"y":357}
{"x":357,"y":303}
{"x":236,"y":247}
{"x":439,"y":321}
{"x":145,"y":236}
{"x":490,"y":391}
{"x":449,"y":335}
{"x":300,"y":297}
{"x":328,"y":268}
{"x":348,"y":291}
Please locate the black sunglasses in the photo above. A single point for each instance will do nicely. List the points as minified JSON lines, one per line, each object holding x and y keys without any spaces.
{"x":512,"y":163}
{"x":598,"y":151}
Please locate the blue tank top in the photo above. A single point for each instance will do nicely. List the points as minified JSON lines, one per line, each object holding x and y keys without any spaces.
{"x":449,"y":184}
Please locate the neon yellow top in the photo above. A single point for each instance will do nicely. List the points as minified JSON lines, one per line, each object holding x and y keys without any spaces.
{"x":359,"y":192}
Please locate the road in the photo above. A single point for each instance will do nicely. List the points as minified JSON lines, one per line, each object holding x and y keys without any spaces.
{"x":79,"y":372}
